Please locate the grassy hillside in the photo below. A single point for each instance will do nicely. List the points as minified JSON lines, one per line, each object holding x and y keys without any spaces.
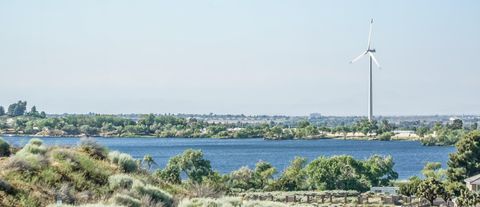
{"x":38,"y":175}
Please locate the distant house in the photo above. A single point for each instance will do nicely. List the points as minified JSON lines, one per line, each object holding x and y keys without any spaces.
{"x":473,"y":183}
{"x":385,"y":190}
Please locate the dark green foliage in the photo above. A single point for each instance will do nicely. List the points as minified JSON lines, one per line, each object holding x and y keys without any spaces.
{"x":6,"y":187}
{"x":17,"y":109}
{"x":430,"y":189}
{"x":456,"y":124}
{"x":410,"y":188}
{"x":466,"y":161}
{"x":2,"y":111}
{"x":366,"y":127}
{"x":242,"y":178}
{"x":468,"y":198}
{"x":294,"y":177}
{"x":421,"y":131}
{"x":4,"y":148}
{"x":263,"y":174}
{"x":386,"y":136}
{"x":171,"y":174}
{"x":345,"y":173}
{"x":190,"y":162}
{"x":444,"y":136}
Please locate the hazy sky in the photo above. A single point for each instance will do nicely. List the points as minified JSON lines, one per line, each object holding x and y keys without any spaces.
{"x":243,"y":56}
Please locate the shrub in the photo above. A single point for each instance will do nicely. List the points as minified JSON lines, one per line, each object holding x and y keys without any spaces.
{"x":33,"y":152}
{"x":35,"y":141}
{"x":153,"y":192}
{"x":126,"y":200}
{"x":82,"y":170}
{"x":123,"y":160}
{"x":127,"y":163}
{"x":33,"y":149}
{"x":4,"y":148}
{"x":386,"y":136}
{"x":120,"y":181}
{"x":18,"y":164}
{"x":92,"y":148}
{"x":6,"y":187}
{"x":113,"y":156}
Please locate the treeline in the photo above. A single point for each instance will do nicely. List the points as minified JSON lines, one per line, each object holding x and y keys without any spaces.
{"x":17,"y":120}
{"x":20,"y":121}
{"x":324,"y":173}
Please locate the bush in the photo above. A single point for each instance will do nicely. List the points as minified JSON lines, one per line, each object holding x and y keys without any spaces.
{"x":123,"y":160}
{"x":33,"y":153}
{"x":127,"y":163}
{"x":34,"y":146}
{"x":153,"y":192}
{"x":126,"y":200}
{"x":18,"y":164}
{"x":386,"y":136}
{"x":92,"y":148}
{"x":4,"y":148}
{"x":6,"y":187}
{"x":113,"y":157}
{"x":35,"y":141}
{"x":120,"y":181}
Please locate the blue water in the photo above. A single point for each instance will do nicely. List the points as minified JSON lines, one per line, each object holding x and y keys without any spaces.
{"x":230,"y":154}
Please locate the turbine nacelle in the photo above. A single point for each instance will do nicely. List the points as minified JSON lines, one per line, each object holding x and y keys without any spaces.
{"x":369,"y":50}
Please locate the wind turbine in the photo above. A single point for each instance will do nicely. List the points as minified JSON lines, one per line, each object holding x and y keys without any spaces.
{"x":369,"y":52}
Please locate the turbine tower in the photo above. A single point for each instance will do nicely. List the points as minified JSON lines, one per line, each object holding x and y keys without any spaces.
{"x":369,"y":52}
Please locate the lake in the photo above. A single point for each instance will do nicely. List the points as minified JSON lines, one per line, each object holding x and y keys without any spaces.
{"x":230,"y":154}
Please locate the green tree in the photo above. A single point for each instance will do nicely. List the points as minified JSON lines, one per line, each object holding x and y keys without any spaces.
{"x":366,"y":127}
{"x":190,"y":162}
{"x":434,"y":170}
{"x":466,"y":161}
{"x":263,"y":174}
{"x":430,"y":189}
{"x":336,"y":173}
{"x":2,"y":111}
{"x":385,"y":126}
{"x":242,"y":178}
{"x":421,"y":131}
{"x":468,"y":198}
{"x":410,"y":188}
{"x":456,"y":124}
{"x":17,"y":109}
{"x":379,"y":170}
{"x":293,"y":177}
{"x":33,"y":112}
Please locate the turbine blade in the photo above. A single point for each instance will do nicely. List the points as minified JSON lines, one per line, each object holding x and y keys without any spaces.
{"x":374,"y":59}
{"x":370,"y":35}
{"x":358,"y":58}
